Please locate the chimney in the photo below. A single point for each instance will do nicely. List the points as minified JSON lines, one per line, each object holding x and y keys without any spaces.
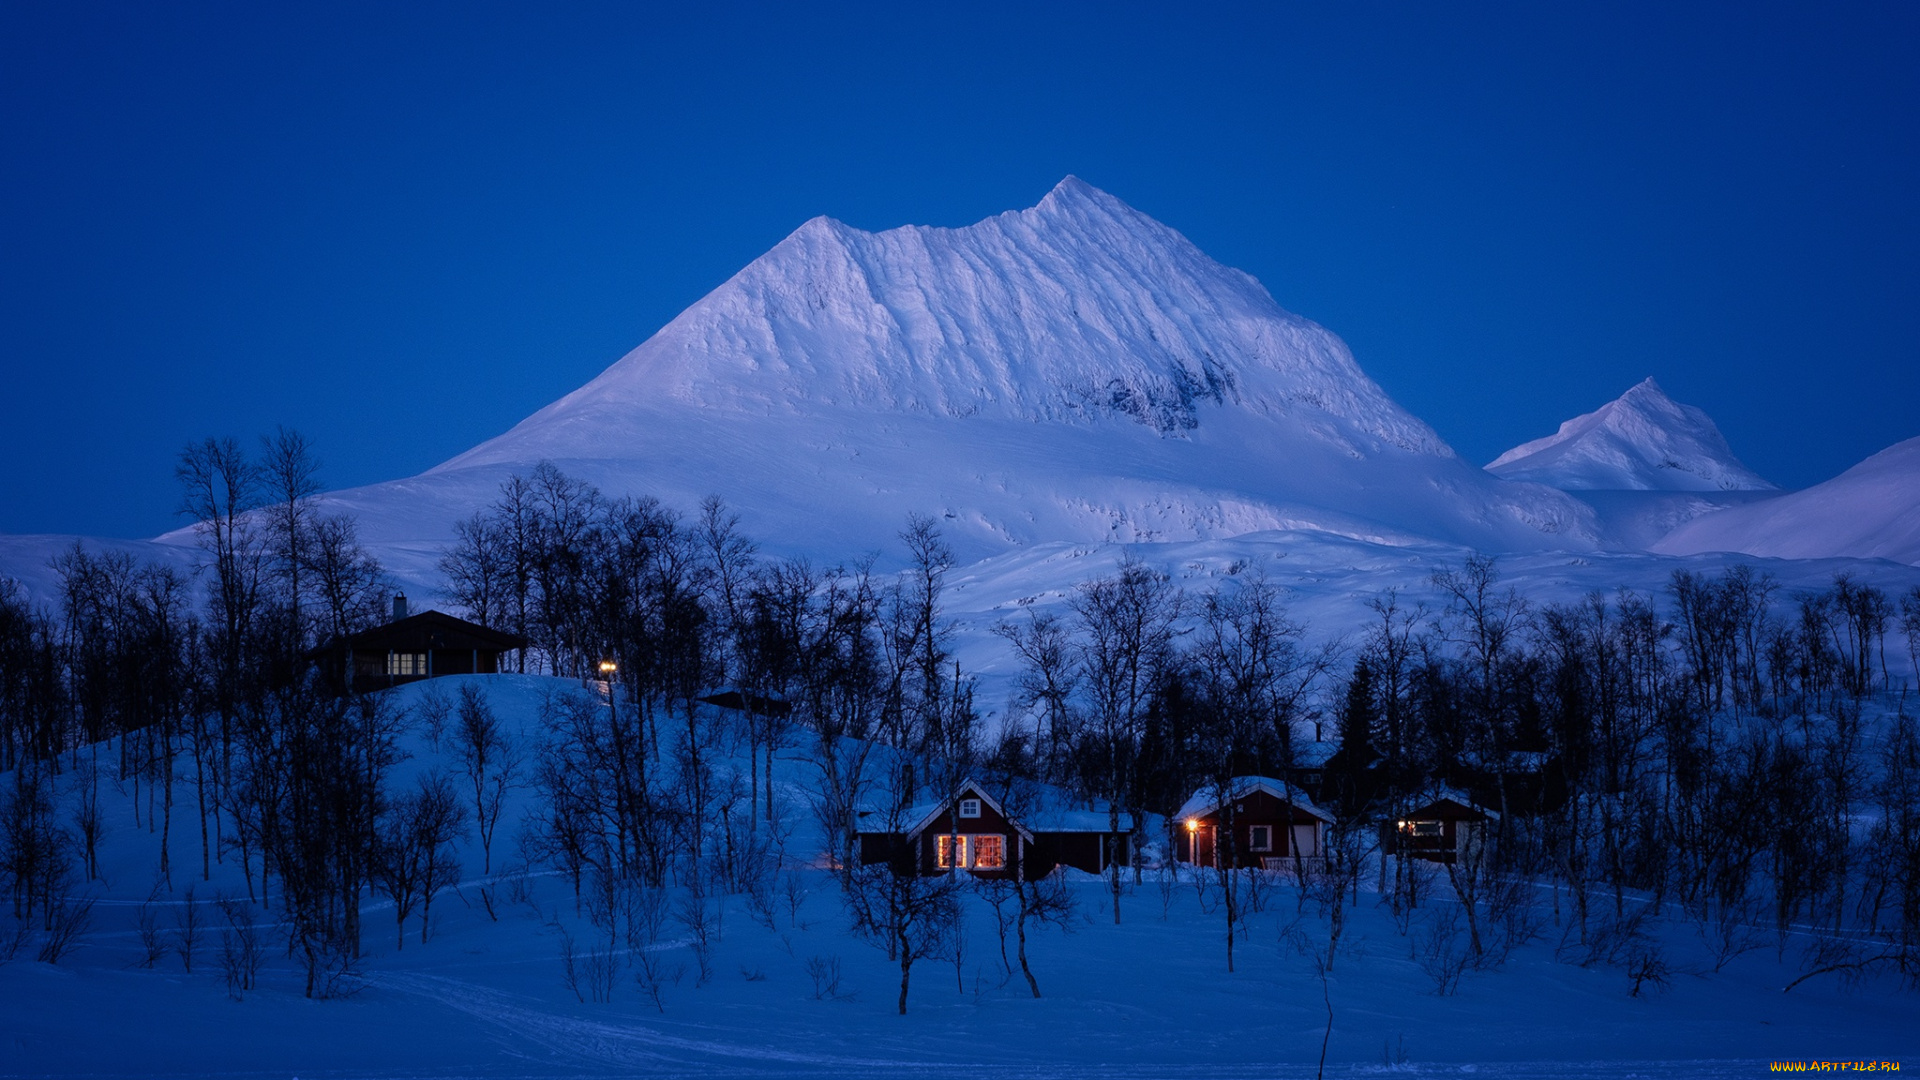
{"x":399,"y":606}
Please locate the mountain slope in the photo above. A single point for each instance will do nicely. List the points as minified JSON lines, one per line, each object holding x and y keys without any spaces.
{"x":1871,"y":511}
{"x":1641,"y":441}
{"x":1075,"y":371}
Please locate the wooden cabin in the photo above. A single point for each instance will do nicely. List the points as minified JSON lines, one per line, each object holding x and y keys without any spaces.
{"x":411,"y":648}
{"x":1274,"y":824}
{"x":1440,"y":829}
{"x":971,"y":831}
{"x":1082,"y":839}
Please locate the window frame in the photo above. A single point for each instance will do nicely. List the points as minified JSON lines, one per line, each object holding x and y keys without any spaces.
{"x":969,"y":808}
{"x":404,"y":664}
{"x":948,"y":845}
{"x":1253,"y":838}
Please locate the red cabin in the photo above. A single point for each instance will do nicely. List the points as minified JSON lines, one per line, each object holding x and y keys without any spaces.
{"x":1273,"y":824}
{"x":1441,"y":829}
{"x":971,"y":831}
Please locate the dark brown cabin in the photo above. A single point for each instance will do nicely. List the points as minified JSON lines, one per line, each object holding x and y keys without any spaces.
{"x":1273,"y":824}
{"x":1082,"y":839}
{"x":971,"y":831}
{"x":1438,"y":830}
{"x":411,"y":648}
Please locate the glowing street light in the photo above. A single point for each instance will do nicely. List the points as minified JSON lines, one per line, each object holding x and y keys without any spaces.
{"x":607,"y":670}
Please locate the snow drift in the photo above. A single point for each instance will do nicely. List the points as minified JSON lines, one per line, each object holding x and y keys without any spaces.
{"x":1871,"y":511}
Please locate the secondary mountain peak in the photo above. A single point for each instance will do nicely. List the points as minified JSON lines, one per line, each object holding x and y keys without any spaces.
{"x":1641,"y":441}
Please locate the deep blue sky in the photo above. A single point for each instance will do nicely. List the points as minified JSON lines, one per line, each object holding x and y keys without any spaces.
{"x":402,"y":231}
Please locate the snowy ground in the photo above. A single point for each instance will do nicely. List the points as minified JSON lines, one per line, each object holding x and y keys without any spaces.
{"x":1145,"y":999}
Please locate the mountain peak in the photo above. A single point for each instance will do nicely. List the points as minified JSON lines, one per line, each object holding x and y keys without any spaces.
{"x":1071,"y":370}
{"x":1072,"y":187}
{"x":1643,"y":440}
{"x":1079,"y":309}
{"x":1073,"y":193}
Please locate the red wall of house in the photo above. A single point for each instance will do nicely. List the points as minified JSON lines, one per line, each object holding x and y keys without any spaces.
{"x":1257,"y":808}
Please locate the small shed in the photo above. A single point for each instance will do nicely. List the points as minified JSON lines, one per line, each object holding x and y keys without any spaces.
{"x":1272,"y":824}
{"x":411,"y":648}
{"x":972,"y":831}
{"x":1440,"y":828}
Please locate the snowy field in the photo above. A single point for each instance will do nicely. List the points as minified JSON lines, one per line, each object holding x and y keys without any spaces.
{"x":1148,"y":998}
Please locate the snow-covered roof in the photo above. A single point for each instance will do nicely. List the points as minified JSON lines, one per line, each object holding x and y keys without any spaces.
{"x":1065,"y":819}
{"x":1054,"y":812}
{"x":1313,"y":753}
{"x":1436,"y":793}
{"x":1206,"y":801}
{"x":921,"y":816}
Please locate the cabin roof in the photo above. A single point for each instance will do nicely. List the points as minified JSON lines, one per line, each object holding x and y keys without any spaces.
{"x":743,"y":701}
{"x":1053,"y":815}
{"x":1448,"y":804}
{"x":426,"y":631}
{"x":1314,"y":753}
{"x":1205,"y":801}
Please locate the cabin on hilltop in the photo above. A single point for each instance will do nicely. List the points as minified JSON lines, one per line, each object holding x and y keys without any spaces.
{"x":411,"y":648}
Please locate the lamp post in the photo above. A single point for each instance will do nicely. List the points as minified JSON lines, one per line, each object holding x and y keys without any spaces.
{"x":607,"y":671}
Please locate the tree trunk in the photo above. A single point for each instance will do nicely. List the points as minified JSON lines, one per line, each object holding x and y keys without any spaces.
{"x":1020,"y":932}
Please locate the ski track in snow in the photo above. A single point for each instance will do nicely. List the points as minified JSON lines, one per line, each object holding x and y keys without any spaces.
{"x":621,"y":1046}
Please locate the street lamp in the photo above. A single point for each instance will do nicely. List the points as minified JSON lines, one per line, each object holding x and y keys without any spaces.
{"x":607,"y":670}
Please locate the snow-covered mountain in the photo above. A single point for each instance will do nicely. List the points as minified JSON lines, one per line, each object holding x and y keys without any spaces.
{"x":1641,"y":441}
{"x":1075,"y":371}
{"x":1871,"y":511}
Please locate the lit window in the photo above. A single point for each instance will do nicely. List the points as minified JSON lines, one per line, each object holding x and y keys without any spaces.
{"x":969,"y":807}
{"x":1426,"y":828}
{"x":1260,"y":838}
{"x":952,"y":852}
{"x":406,"y":663}
{"x":989,"y":852}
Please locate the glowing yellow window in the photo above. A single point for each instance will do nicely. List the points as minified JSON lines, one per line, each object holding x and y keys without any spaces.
{"x":951,"y":852}
{"x":989,"y":852}
{"x":401,"y":663}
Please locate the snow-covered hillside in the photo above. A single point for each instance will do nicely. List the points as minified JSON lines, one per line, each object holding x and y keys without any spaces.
{"x":790,"y":991}
{"x":1641,"y":441}
{"x":1871,"y":511}
{"x":1075,"y":371}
